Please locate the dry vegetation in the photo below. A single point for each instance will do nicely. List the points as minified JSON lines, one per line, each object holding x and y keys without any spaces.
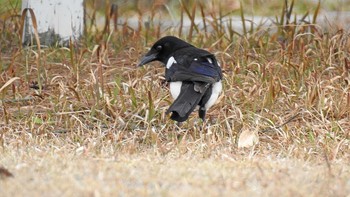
{"x":82,"y":120}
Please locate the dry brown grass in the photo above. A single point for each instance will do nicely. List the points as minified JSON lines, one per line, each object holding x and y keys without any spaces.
{"x":98,"y":128}
{"x":69,"y":172}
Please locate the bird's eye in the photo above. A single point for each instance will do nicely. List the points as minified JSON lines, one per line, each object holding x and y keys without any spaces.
{"x":159,"y":47}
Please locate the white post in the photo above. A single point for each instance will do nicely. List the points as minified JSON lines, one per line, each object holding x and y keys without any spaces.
{"x":57,"y":20}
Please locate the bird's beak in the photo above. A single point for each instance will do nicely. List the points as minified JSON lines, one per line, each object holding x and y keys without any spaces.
{"x":147,"y":59}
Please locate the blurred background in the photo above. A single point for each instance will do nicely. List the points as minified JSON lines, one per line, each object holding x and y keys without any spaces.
{"x":168,"y":12}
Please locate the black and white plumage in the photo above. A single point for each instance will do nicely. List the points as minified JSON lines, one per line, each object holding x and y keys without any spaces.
{"x":194,"y":75}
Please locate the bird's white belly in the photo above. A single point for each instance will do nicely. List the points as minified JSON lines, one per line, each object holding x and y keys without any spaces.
{"x":217,"y":87}
{"x":175,"y":89}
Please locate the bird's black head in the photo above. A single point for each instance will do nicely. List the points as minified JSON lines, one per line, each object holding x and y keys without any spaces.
{"x":163,"y":49}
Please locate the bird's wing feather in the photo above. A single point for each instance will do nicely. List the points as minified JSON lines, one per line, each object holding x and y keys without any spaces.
{"x":181,"y":75}
{"x":199,"y":69}
{"x":204,"y":68}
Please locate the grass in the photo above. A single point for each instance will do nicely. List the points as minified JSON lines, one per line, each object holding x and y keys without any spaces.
{"x":137,"y":174}
{"x":97,"y":126}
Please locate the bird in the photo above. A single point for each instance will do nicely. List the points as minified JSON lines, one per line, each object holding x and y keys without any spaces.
{"x":194,"y":75}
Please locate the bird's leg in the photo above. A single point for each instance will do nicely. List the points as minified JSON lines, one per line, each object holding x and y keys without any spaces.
{"x":179,"y":124}
{"x":202,"y":133}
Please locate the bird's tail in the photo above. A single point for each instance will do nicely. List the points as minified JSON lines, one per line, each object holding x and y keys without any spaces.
{"x":186,"y":102}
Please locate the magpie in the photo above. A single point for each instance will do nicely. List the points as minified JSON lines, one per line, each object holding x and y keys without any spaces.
{"x":194,"y":75}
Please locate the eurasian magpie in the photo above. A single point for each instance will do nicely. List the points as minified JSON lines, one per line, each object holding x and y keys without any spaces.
{"x":194,"y":75}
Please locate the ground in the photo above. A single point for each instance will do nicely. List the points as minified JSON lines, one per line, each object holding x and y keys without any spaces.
{"x":148,"y":173}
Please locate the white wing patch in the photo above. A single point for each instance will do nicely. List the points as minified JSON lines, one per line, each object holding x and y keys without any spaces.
{"x":175,"y":89}
{"x":209,"y":60}
{"x":170,"y":62}
{"x":217,"y":87}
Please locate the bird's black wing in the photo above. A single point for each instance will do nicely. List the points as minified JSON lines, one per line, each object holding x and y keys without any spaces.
{"x":197,"y":71}
{"x":193,"y":64}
